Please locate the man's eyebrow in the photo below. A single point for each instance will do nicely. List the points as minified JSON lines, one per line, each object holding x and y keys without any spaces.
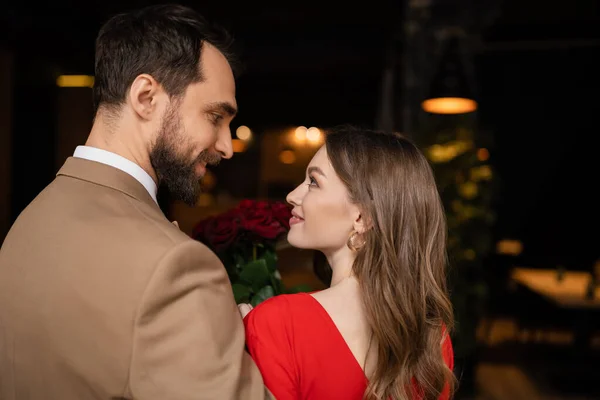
{"x":223,"y":107}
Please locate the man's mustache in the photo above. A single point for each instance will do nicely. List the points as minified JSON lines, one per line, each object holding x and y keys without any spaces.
{"x":209,"y":157}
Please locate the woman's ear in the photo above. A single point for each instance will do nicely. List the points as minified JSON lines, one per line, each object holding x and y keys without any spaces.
{"x":361,"y":223}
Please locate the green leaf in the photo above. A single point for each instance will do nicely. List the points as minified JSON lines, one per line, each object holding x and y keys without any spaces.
{"x":255,"y":273}
{"x":263,"y":294}
{"x":239,"y":261}
{"x":241,"y":293}
{"x":277,"y":285}
{"x":300,"y":289}
{"x":271,"y":259}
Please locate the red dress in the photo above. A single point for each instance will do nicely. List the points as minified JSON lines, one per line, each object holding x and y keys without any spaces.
{"x":302,"y":355}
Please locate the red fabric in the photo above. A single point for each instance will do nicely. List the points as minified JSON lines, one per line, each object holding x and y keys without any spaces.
{"x":302,"y":355}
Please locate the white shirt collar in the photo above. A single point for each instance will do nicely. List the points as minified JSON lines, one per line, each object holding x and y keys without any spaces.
{"x":119,"y":162}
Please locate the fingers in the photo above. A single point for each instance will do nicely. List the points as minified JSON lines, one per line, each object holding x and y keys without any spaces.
{"x":244,"y":309}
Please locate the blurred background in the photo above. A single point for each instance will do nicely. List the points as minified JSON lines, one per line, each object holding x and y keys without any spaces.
{"x":500,"y":95}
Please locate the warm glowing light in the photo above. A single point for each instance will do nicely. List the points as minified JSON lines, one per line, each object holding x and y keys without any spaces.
{"x":449,"y":105}
{"x":483,"y":154}
{"x":440,"y":153}
{"x":468,"y":190}
{"x":481,"y":173}
{"x":300,"y":133}
{"x":205,"y":200}
{"x":313,"y":135}
{"x":208,"y":181}
{"x":287,"y":157}
{"x":470,"y":254}
{"x":75,"y":81}
{"x":509,"y":247}
{"x":239,"y":146}
{"x":243,"y":133}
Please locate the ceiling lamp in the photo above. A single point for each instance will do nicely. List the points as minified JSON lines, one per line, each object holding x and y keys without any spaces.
{"x":450,"y":92}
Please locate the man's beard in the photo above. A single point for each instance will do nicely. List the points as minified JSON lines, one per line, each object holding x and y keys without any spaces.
{"x":170,"y":157}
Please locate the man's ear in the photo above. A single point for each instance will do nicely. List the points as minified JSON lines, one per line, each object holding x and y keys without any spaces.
{"x":143,"y":95}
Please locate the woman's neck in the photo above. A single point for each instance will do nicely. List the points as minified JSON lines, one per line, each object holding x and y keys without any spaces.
{"x":341,"y":263}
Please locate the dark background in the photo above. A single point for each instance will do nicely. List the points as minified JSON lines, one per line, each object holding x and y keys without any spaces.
{"x":320,"y":63}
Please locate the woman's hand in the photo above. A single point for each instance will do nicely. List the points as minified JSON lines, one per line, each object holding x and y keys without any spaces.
{"x":244,"y":309}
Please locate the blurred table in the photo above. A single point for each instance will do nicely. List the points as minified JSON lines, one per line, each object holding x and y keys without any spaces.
{"x":569,"y":292}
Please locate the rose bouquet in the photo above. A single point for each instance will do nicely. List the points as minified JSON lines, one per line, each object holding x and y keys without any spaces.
{"x":244,"y":238}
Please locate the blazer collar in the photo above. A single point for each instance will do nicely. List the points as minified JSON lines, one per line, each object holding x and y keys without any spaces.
{"x":105,"y":175}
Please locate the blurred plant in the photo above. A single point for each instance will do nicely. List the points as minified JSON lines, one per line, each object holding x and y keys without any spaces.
{"x":467,"y":185}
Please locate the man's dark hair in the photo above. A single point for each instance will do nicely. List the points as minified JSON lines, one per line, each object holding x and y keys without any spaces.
{"x":164,"y":41}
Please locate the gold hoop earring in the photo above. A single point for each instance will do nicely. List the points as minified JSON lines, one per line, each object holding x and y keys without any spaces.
{"x":355,"y":241}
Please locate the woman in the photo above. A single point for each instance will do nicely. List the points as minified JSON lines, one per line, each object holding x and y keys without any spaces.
{"x":380,"y":331}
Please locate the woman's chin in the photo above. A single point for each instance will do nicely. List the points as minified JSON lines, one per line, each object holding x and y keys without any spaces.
{"x":294,"y":241}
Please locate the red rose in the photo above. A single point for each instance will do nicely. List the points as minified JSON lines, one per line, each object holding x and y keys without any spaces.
{"x":282,"y":213}
{"x":260,"y":220}
{"x":246,"y":203}
{"x":219,"y":231}
{"x":261,"y":205}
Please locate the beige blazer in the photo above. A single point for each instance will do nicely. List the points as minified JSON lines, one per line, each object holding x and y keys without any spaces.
{"x":101,"y":297}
